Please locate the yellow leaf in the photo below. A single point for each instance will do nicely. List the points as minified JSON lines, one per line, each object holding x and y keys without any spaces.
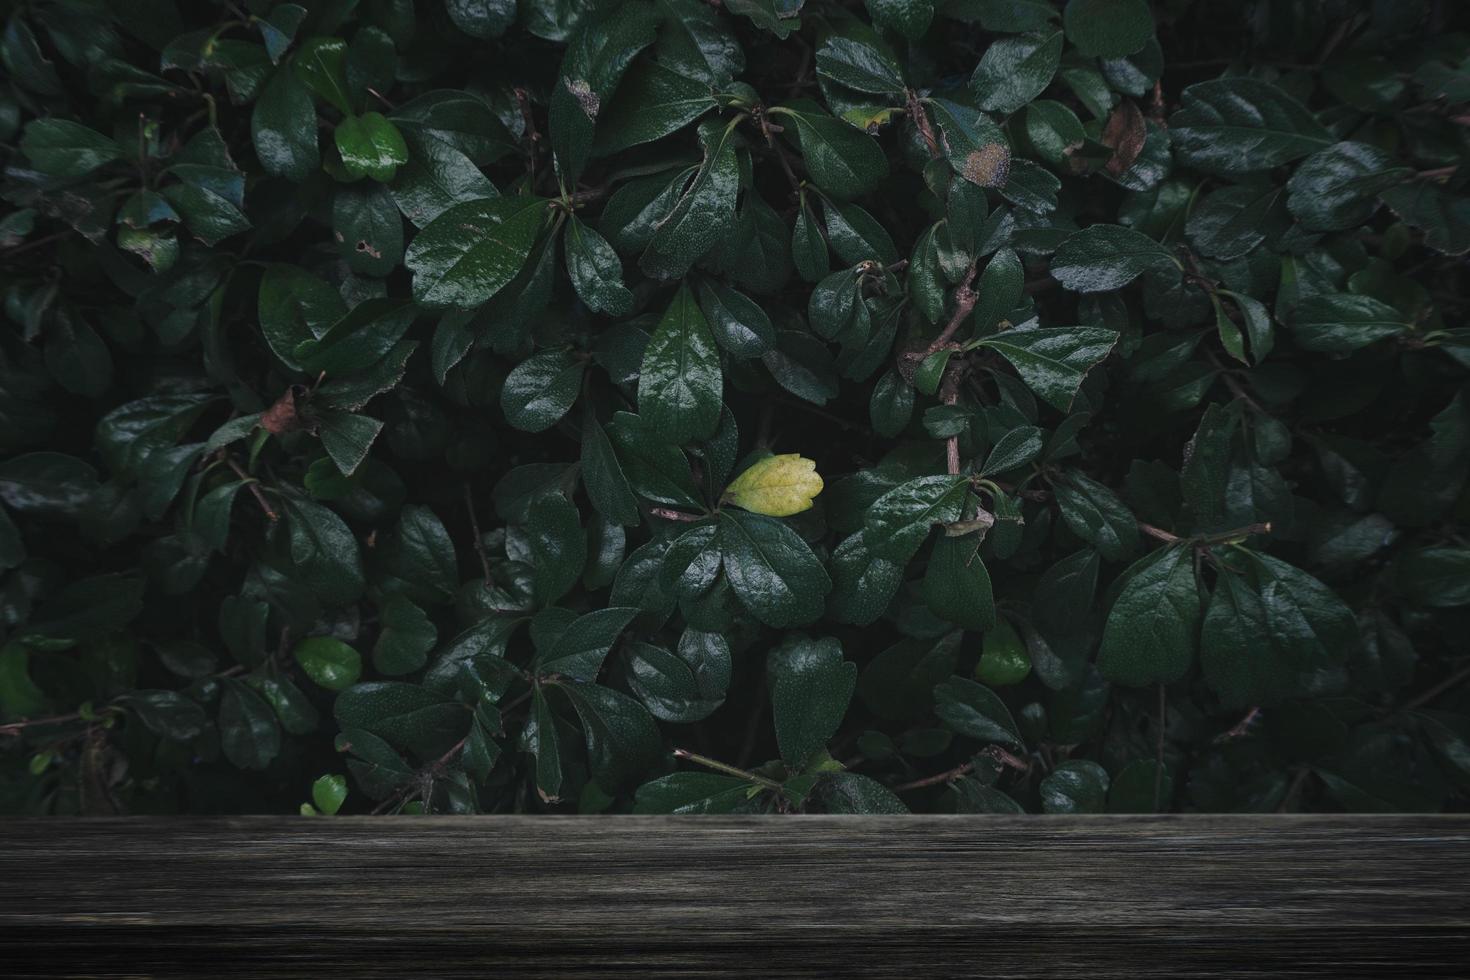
{"x":777,"y":486}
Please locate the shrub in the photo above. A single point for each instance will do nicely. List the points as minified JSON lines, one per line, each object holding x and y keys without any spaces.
{"x":670,"y":406}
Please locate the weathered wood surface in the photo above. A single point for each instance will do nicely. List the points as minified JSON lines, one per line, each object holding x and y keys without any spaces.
{"x":827,"y":897}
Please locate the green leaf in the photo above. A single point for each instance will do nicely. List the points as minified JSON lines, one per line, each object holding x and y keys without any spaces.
{"x":249,"y":735}
{"x":679,"y":388}
{"x":406,"y":716}
{"x":843,"y":161}
{"x":1238,"y":125}
{"x":323,"y":551}
{"x":368,"y":229}
{"x":1342,"y":322}
{"x":956,"y":585}
{"x":602,"y":474}
{"x":908,"y":17}
{"x":329,"y":793}
{"x":651,"y":103}
{"x":541,"y":389}
{"x":1096,"y":515}
{"x":703,"y":211}
{"x":1015,"y":70}
{"x":683,"y":686}
{"x":656,"y":469}
{"x":898,"y":522}
{"x":1337,"y":188}
{"x":329,"y":662}
{"x":1075,"y":786}
{"x":482,"y":18}
{"x":810,"y":686}
{"x":737,"y":322}
{"x":580,"y":649}
{"x":1015,"y":449}
{"x":283,"y":127}
{"x":1100,"y":258}
{"x":859,"y":65}
{"x":851,"y":792}
{"x":622,"y":739}
{"x":1004,"y":659}
{"x":435,"y":178}
{"x":1435,"y":577}
{"x":772,"y":570}
{"x":1054,"y":360}
{"x":62,"y":148}
{"x":976,"y":711}
{"x":406,"y":638}
{"x":471,"y":251}
{"x":322,"y":65}
{"x":595,"y":270}
{"x":370,"y":145}
{"x":1108,"y":28}
{"x":696,"y":793}
{"x":595,"y":60}
{"x":1153,"y":627}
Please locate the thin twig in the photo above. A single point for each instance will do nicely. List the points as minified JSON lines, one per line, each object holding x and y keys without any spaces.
{"x":949,"y":775}
{"x":1242,"y":726}
{"x":1438,"y":689}
{"x":431,"y":770}
{"x":766,"y":130}
{"x":1158,"y":532}
{"x":921,"y":122}
{"x":254,"y":486}
{"x":727,"y":769}
{"x":964,"y":304}
{"x":675,"y":515}
{"x":469,"y":503}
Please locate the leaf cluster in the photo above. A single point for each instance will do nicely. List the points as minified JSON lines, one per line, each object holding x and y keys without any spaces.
{"x":763,"y":406}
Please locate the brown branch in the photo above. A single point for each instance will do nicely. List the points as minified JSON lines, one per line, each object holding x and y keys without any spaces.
{"x":1242,"y":726}
{"x":1437,"y":172}
{"x":674,"y":515}
{"x":964,"y":299}
{"x":1438,"y":689}
{"x":431,"y":770}
{"x":947,"y":776}
{"x":767,"y":130}
{"x":921,"y":121}
{"x":16,"y":727}
{"x":254,"y":486}
{"x":1158,"y":532}
{"x":533,"y":138}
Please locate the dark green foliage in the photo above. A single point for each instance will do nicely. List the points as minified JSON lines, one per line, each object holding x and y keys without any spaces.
{"x":664,"y":406}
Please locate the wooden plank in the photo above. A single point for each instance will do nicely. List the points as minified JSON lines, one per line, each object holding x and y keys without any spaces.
{"x":833,"y":897}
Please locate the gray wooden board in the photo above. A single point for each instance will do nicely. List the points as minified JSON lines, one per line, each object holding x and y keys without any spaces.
{"x":831,"y":897}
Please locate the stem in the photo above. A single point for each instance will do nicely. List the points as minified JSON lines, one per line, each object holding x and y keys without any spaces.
{"x":674,"y":515}
{"x":533,"y":138}
{"x":725,"y":768}
{"x":1158,"y":532}
{"x":1437,"y":172}
{"x":16,"y":727}
{"x":479,"y":541}
{"x":921,"y":121}
{"x":1243,"y":726}
{"x":944,"y":777}
{"x":1438,"y":689}
{"x":780,"y":152}
{"x":964,"y":297}
{"x":254,"y":486}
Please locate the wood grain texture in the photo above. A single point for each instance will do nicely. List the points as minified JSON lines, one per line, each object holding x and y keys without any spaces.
{"x":830,"y":897}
